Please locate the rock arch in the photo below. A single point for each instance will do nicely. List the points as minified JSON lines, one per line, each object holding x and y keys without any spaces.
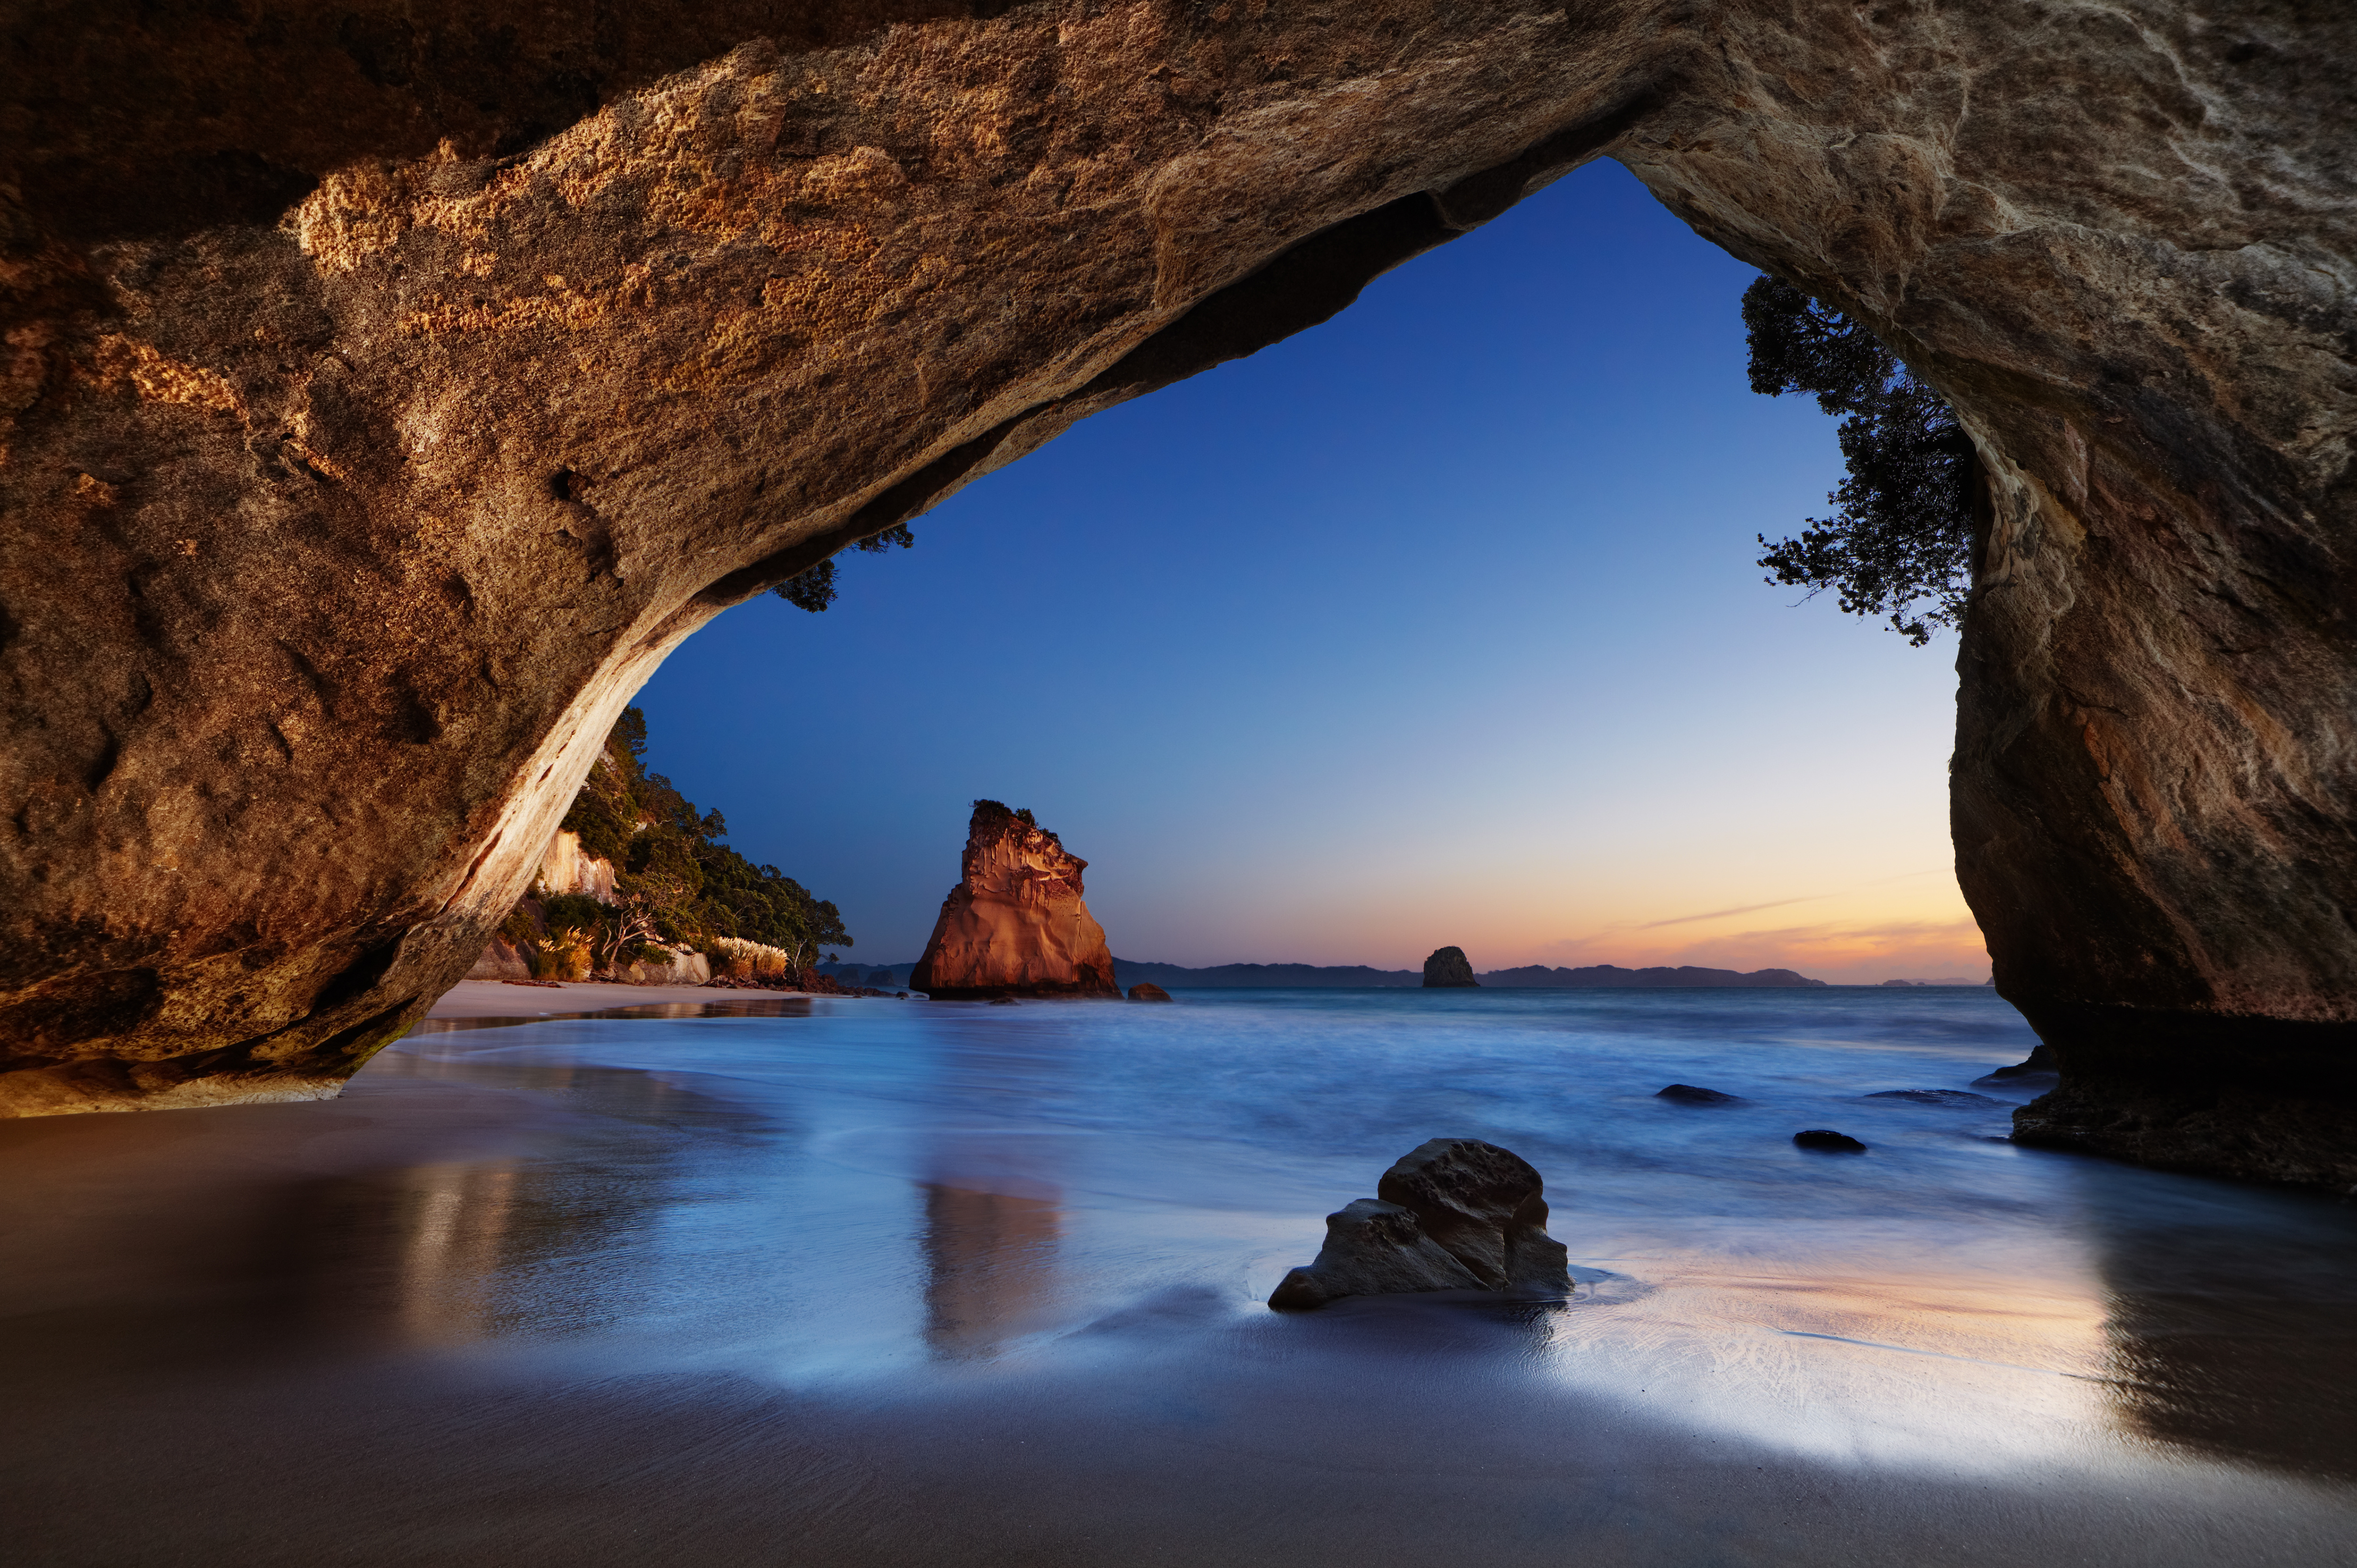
{"x":389,"y":388}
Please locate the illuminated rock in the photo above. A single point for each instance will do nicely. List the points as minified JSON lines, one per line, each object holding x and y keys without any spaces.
{"x":1015,"y":925}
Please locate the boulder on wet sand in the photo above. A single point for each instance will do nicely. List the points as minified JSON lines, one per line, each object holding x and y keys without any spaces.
{"x":1448,"y":967}
{"x":1454,"y":1214}
{"x":1145,"y":992}
{"x":1825,"y":1141}
{"x":1690,"y":1094}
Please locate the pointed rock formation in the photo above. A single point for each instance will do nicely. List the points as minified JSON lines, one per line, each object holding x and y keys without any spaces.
{"x":1448,"y":967}
{"x":1015,"y":925}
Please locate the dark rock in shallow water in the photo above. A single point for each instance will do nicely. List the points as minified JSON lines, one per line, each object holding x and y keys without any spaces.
{"x":2037,"y":1071}
{"x":1825,"y":1141}
{"x":1455,"y":1214}
{"x":1143,"y":992}
{"x":1688,"y":1094}
{"x":1003,"y":1001}
{"x":1955,"y":1099}
{"x":1448,"y":967}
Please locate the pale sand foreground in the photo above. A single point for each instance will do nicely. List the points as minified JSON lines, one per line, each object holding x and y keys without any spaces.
{"x":498,"y":999}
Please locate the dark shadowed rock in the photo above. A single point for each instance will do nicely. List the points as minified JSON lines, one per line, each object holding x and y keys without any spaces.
{"x":1825,"y":1141}
{"x":1448,"y":967}
{"x":1454,"y":1214}
{"x":1688,"y":1094}
{"x":2035,"y":1072}
{"x":1373,"y":1248}
{"x":1954,"y":1099}
{"x":1144,"y":991}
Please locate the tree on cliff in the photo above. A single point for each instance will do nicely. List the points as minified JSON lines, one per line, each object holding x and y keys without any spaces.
{"x":671,"y":868}
{"x":1901,"y":534}
{"x":815,"y":590}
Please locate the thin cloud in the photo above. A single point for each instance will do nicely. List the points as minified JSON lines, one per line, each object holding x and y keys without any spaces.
{"x":1739,"y":909}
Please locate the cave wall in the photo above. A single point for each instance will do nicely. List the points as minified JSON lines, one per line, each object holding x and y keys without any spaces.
{"x":389,"y":388}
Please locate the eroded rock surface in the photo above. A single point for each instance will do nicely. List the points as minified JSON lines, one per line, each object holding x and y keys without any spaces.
{"x":388,"y":389}
{"x":1453,"y":1214}
{"x":1015,"y":925}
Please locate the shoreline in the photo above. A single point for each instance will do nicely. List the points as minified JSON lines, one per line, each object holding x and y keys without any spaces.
{"x":473,"y":999}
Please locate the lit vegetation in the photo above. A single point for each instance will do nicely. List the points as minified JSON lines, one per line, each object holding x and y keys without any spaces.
{"x":676,"y":884}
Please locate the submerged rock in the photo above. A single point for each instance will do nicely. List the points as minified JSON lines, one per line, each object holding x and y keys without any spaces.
{"x":1690,"y":1094}
{"x":1015,"y":924}
{"x":1825,"y":1141}
{"x":1954,"y":1099}
{"x":1454,"y":1214}
{"x":1146,"y":992}
{"x":2037,"y":1070}
{"x":1448,"y":967}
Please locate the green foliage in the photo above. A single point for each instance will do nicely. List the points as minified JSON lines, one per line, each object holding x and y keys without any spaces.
{"x":676,"y":880}
{"x":1901,"y":530}
{"x":813,"y":590}
{"x":571,"y":912}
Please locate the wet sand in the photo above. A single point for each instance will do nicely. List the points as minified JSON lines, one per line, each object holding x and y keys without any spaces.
{"x":570,"y":998}
{"x":855,"y":1287}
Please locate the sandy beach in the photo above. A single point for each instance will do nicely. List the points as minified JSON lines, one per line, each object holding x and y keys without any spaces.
{"x":478,"y":999}
{"x":848,"y":1284}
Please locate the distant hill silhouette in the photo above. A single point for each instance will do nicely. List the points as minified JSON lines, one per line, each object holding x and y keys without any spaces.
{"x":1599,"y":976}
{"x":1359,"y":977}
{"x":1608,"y":976}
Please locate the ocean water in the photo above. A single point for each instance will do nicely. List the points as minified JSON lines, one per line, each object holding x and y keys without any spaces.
{"x":880,"y":1282}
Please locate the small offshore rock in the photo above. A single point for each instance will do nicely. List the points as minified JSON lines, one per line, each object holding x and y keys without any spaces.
{"x":1145,"y":992}
{"x":1448,"y":967}
{"x":1454,"y":1214}
{"x":1954,"y":1099}
{"x":1690,"y":1094}
{"x":1003,"y":1001}
{"x":1825,"y":1141}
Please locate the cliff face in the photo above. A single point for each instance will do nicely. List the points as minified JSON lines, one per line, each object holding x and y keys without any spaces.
{"x":387,"y":391}
{"x":1015,"y":925}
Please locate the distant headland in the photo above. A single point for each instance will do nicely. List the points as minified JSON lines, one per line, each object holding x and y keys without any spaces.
{"x":1239,"y":976}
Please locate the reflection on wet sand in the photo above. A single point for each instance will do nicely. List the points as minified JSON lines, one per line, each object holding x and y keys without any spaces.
{"x":781,"y":1007}
{"x":990,"y":1263}
{"x":2226,"y":1340}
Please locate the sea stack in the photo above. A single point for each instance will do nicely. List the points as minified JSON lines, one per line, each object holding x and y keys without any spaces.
{"x":1015,"y":925}
{"x":1448,"y":966}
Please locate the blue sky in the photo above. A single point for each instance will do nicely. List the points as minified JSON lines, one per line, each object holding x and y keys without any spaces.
{"x":1438,"y":623}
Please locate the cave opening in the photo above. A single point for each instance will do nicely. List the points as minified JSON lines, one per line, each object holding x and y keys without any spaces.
{"x":1440,"y":616}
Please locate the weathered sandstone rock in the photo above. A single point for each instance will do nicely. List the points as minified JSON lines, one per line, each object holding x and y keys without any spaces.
{"x":565,"y":868}
{"x":1448,"y":967}
{"x":1014,"y":925}
{"x":1146,"y":992}
{"x":1454,"y":1214}
{"x":388,"y":389}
